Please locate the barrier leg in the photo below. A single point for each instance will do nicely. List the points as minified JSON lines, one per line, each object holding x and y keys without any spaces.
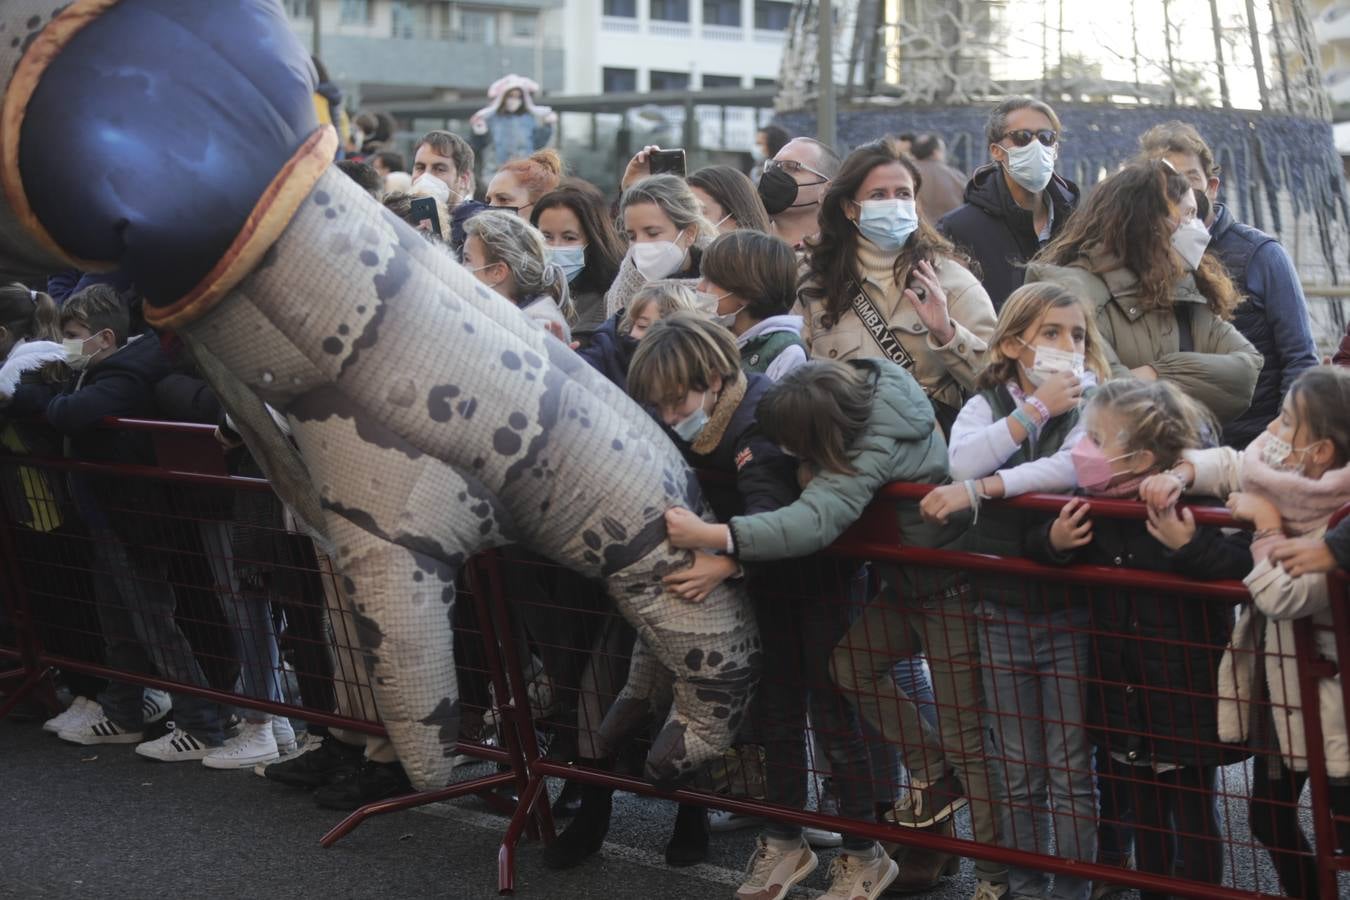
{"x":30,"y":684}
{"x":398,"y":804}
{"x":528,"y":808}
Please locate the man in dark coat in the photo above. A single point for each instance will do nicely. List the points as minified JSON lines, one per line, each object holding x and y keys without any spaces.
{"x":1017,"y":203}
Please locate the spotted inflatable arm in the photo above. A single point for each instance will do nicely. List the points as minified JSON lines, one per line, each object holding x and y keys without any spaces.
{"x":175,"y":139}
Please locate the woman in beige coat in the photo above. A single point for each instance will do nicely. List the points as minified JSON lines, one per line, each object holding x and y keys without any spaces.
{"x":880,"y":283}
{"x":1135,"y":253}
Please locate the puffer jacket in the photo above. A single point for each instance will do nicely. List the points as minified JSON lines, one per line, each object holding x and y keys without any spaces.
{"x":1155,"y":655}
{"x":1274,"y":317}
{"x":610,"y":352}
{"x":945,"y":372}
{"x":1000,"y":235}
{"x":1220,"y":371}
{"x":901,"y":443}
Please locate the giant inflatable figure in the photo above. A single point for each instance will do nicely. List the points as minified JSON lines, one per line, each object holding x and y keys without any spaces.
{"x":176,"y":139}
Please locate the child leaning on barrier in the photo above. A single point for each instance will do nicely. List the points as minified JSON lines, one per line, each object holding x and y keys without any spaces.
{"x":116,"y":376}
{"x":1155,"y":654}
{"x":689,"y":368}
{"x":1288,"y":483}
{"x":1015,"y":437}
{"x":854,"y":427}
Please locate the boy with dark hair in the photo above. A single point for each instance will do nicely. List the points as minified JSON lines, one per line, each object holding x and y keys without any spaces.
{"x":116,"y":376}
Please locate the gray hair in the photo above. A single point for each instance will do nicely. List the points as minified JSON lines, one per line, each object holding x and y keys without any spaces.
{"x":510,"y":240}
{"x":673,"y":196}
{"x":671,"y":296}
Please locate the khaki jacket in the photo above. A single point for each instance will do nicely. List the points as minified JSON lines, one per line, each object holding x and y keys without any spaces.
{"x":944,"y":372}
{"x":1220,"y":372}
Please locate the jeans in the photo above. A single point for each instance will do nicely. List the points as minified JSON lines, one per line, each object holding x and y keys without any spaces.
{"x":248,"y":615}
{"x":136,"y":613}
{"x":940,"y":626}
{"x":799,"y":633}
{"x":1035,"y":666}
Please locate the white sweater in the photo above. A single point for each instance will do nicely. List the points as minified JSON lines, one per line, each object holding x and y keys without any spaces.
{"x":980,"y":445}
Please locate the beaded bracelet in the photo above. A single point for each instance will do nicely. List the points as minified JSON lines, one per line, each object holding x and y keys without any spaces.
{"x":1041,"y":409}
{"x":1021,"y":418}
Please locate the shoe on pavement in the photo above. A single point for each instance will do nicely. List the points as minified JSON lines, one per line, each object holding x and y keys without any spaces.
{"x":929,"y":805}
{"x":100,"y":730}
{"x":773,"y":870}
{"x":176,"y":746}
{"x":81,"y":710}
{"x":331,"y":761}
{"x":988,"y":890}
{"x":155,"y":705}
{"x":372,"y":781}
{"x":921,"y":869}
{"x":254,"y":744}
{"x":720,"y":821}
{"x":284,"y":735}
{"x":860,"y":877}
{"x":303,"y":744}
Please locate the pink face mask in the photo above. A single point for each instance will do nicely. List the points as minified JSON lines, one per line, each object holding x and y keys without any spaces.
{"x":1092,"y":466}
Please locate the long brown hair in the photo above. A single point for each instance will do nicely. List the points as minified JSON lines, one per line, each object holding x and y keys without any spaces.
{"x":1126,"y":218}
{"x":604,"y":249}
{"x":735,"y":193}
{"x":818,"y":411}
{"x":833,"y":254}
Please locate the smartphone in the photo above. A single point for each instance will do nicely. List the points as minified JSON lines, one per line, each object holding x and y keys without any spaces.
{"x":425,"y":208}
{"x":666,"y":162}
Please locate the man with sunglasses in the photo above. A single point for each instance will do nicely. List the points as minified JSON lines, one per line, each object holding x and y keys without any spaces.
{"x":792,"y":186}
{"x":1015,"y":204}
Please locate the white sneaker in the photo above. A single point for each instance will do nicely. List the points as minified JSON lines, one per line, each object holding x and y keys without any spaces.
{"x":821,"y":839}
{"x":720,"y":821}
{"x":100,"y":730}
{"x":303,"y":745}
{"x":254,"y":744}
{"x":176,"y":746}
{"x":539,"y":692}
{"x":155,"y":705}
{"x":81,"y":710}
{"x":856,"y":878}
{"x":771,"y":871}
{"x":283,"y":734}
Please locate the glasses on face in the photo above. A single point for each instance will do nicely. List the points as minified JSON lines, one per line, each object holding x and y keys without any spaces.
{"x":1023,"y":136}
{"x":792,"y":167}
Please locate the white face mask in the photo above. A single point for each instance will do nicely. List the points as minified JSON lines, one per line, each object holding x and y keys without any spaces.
{"x":1050,"y":360}
{"x":693,"y":424}
{"x":1190,"y":241}
{"x":655,"y":260}
{"x":1031,"y":166}
{"x":430,"y":186}
{"x":76,"y":357}
{"x":513,"y":104}
{"x":1280,"y":455}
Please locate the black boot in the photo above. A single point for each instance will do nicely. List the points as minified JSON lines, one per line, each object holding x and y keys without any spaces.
{"x":331,"y":762}
{"x":586,"y":833}
{"x":688,"y":844}
{"x":373,"y":781}
{"x":569,"y":800}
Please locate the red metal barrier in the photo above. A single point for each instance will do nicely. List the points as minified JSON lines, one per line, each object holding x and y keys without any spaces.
{"x":556,"y":673}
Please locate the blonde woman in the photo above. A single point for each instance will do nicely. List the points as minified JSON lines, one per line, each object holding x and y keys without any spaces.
{"x":507,"y":254}
{"x":666,"y":233}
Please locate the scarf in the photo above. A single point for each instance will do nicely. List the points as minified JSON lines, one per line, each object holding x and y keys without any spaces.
{"x":727,"y":402}
{"x":1305,"y":504}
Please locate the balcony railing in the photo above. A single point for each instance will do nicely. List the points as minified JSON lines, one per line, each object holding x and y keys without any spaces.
{"x":669,"y":29}
{"x":733,"y":33}
{"x":764,"y":36}
{"x":619,"y":24}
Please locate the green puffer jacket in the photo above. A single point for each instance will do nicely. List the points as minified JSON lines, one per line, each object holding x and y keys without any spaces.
{"x":1220,"y":372}
{"x":901,"y":444}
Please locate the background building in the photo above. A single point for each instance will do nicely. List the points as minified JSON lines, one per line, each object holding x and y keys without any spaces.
{"x":1331,"y":26}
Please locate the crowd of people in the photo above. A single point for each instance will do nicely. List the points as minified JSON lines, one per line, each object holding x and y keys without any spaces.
{"x":832,"y":324}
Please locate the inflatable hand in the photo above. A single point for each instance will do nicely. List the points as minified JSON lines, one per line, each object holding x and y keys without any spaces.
{"x":176,"y":139}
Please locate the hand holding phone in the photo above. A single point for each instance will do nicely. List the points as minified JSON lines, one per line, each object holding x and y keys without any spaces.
{"x":666,"y":162}
{"x":424,"y":209}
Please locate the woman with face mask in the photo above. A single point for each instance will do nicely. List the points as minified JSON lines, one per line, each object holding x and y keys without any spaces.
{"x":509,"y":256}
{"x":666,"y":233}
{"x":582,"y":242}
{"x":1135,"y":253}
{"x":880,"y":283}
{"x":511,"y":123}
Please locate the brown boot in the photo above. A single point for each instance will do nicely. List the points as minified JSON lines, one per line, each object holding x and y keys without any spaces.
{"x":922,"y":869}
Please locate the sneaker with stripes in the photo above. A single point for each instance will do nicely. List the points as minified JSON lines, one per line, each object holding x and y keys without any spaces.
{"x":155,"y":705}
{"x":81,"y":710}
{"x":176,"y":746}
{"x":284,"y":735}
{"x":100,"y":730}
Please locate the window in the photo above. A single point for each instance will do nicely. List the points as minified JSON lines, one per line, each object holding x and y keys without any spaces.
{"x":772,"y":15}
{"x":524,"y":25}
{"x":766,"y":82}
{"x":721,"y":81}
{"x":402,"y":21}
{"x":669,"y":81}
{"x":476,"y":27}
{"x":300,"y":9}
{"x":722,"y":12}
{"x":670,"y":10}
{"x":619,"y":81}
{"x":624,"y":8}
{"x":354,"y":12}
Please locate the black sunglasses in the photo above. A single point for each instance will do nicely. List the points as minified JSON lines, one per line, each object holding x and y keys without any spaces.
{"x":1022,"y":136}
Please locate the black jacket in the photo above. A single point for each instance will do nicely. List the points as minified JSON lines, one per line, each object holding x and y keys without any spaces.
{"x":1155,"y":656}
{"x":997,"y":233}
{"x":609,"y":352}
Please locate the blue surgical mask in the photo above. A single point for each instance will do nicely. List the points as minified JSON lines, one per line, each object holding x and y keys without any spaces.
{"x":570,"y":259}
{"x":693,"y":424}
{"x":888,"y":223}
{"x":1031,"y":166}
